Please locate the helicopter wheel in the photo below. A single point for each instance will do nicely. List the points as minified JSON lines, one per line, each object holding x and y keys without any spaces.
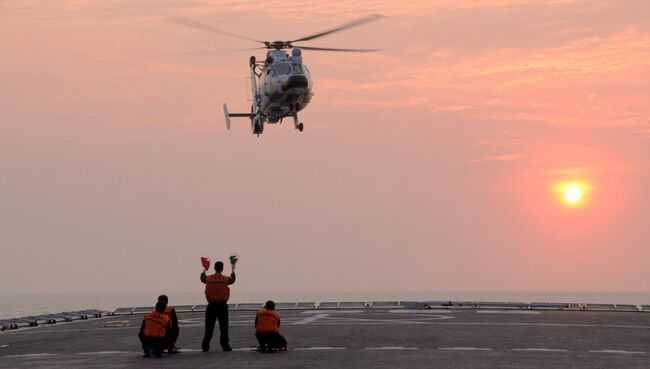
{"x":301,"y":127}
{"x":258,"y":127}
{"x":252,"y":60}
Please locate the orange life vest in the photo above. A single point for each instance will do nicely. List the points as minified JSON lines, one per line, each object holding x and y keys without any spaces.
{"x":267,"y":321}
{"x":155,"y":324}
{"x":216,"y":288}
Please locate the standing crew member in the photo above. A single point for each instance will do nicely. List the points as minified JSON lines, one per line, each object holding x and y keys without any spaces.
{"x":267,"y":329}
{"x":173,"y":319}
{"x":154,"y":330}
{"x":217,"y":293}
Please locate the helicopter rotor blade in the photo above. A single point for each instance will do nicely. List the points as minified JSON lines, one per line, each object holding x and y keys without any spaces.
{"x":226,"y":51}
{"x":186,"y":22}
{"x":345,"y":26}
{"x":339,"y":50}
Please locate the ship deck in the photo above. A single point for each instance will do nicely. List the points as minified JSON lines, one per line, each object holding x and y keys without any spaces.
{"x":355,"y":338}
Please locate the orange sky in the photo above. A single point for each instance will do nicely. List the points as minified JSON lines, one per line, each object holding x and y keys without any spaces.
{"x":427,"y":166}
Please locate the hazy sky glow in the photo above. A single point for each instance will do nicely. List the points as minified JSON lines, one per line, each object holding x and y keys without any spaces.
{"x":432,"y":165}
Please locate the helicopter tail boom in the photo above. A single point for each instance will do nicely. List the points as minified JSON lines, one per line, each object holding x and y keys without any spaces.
{"x":234,"y":115}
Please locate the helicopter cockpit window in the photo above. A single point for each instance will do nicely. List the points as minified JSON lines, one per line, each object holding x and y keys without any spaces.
{"x":282,"y":68}
{"x":297,"y":68}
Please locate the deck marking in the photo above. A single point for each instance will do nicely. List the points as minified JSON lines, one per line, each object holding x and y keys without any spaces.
{"x":333,"y":311}
{"x":519,"y":312}
{"x":310,"y":319}
{"x":190,"y":350}
{"x":105,"y":353}
{"x":568,"y":325}
{"x":3,"y":346}
{"x":429,"y":311}
{"x":412,"y":320}
{"x":539,"y":349}
{"x":319,"y":348}
{"x":392,"y":348}
{"x":44,"y":354}
{"x":465,"y":348}
{"x":245,"y":349}
{"x":618,"y":352}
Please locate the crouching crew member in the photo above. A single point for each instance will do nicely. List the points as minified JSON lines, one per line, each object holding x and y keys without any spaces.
{"x":154,"y":331}
{"x":173,"y":319}
{"x":217,"y":293}
{"x":267,"y":329}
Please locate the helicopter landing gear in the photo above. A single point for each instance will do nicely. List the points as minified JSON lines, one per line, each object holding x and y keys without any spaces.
{"x":252,"y":61}
{"x":298,"y":124}
{"x":258,"y":126}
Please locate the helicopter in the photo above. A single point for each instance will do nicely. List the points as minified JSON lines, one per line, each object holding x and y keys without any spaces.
{"x":281,"y":85}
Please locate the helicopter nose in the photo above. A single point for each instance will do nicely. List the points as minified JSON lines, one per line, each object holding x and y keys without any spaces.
{"x":295,"y":81}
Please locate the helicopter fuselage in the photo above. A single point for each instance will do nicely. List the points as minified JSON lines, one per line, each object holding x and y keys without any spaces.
{"x":285,"y":85}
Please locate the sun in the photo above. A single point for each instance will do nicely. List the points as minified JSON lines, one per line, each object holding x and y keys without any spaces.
{"x":572,"y":194}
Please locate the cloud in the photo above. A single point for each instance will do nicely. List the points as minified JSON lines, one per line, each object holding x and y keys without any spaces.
{"x":557,"y":85}
{"x":499,"y":158}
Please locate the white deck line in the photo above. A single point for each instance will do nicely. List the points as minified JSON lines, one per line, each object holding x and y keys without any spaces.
{"x":333,"y":311}
{"x":310,"y":319}
{"x":539,"y":349}
{"x":429,"y":311}
{"x":318,"y":348}
{"x":105,"y":353}
{"x":3,"y":346}
{"x":392,"y":348}
{"x":618,"y":352}
{"x":44,"y":354}
{"x":516,"y":312}
{"x":464,"y":348}
{"x":506,"y":324}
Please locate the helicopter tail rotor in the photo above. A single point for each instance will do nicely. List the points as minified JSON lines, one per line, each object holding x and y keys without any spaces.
{"x":229,"y":115}
{"x":225,"y":112}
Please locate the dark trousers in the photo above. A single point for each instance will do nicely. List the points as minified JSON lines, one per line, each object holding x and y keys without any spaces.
{"x":270,"y":341}
{"x":216,"y":311}
{"x":172,"y":337}
{"x":151,"y":344}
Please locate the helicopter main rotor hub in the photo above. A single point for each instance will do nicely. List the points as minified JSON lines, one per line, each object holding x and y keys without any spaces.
{"x":278,"y":45}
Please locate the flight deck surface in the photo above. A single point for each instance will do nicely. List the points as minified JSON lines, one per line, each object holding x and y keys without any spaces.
{"x":463,"y":338}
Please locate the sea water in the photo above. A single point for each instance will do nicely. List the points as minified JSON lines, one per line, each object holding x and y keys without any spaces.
{"x":12,"y":306}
